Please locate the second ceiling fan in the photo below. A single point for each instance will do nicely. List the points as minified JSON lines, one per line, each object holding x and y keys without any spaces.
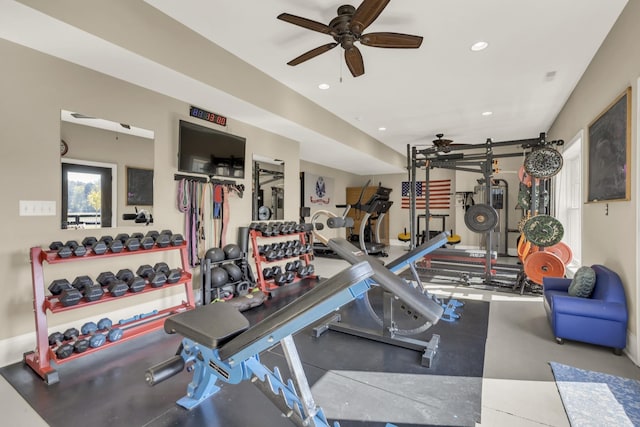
{"x":347,"y":28}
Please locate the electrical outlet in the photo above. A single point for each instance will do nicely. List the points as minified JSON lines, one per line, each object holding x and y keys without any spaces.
{"x":37,"y":208}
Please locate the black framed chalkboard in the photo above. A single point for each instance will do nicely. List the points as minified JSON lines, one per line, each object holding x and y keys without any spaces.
{"x":609,"y":151}
{"x":139,"y":186}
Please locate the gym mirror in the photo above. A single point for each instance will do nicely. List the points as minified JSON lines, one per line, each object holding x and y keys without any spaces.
{"x":268,"y":189}
{"x":107,"y":171}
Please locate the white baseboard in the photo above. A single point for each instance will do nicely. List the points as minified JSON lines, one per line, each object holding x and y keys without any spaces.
{"x":632,"y":348}
{"x":12,"y":349}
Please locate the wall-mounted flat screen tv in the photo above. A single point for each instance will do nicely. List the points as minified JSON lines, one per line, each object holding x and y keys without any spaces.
{"x":208,"y":151}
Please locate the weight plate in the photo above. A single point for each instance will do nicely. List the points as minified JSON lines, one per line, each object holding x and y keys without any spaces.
{"x":522,"y":222}
{"x":543,"y":230}
{"x":562,"y":251}
{"x":524,"y":199}
{"x":264,"y":213}
{"x":527,"y":249}
{"x":543,"y":163}
{"x":524,"y":176}
{"x":481,"y":218}
{"x":543,"y":264}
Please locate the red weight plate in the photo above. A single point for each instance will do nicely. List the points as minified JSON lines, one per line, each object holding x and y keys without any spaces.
{"x":562,"y":251}
{"x":543,"y":264}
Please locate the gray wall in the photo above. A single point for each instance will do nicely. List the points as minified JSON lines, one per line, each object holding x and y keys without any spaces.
{"x":35,"y":87}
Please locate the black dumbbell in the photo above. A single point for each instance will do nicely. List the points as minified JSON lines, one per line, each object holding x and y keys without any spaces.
{"x":115,"y":286}
{"x":276,"y":270}
{"x":115,"y":246}
{"x":124,"y":274}
{"x":88,"y":241}
{"x":153,"y":234}
{"x":135,"y":283}
{"x":106,"y":239}
{"x":61,"y":348}
{"x":176,"y":240}
{"x":306,"y":271}
{"x":99,"y":247}
{"x":271,"y":255}
{"x":145,"y":271}
{"x":289,"y":276}
{"x":132,"y":244}
{"x":161,"y":267}
{"x":163,"y":240}
{"x":280,"y":279}
{"x":147,"y":242}
{"x":174,"y":275}
{"x":137,"y":235}
{"x":267,"y":273}
{"x":61,"y":249}
{"x":157,"y":279}
{"x":67,"y":294}
{"x":293,"y":265}
{"x":80,"y":345}
{"x":76,"y":249}
{"x":122,"y":237}
{"x":91,"y":291}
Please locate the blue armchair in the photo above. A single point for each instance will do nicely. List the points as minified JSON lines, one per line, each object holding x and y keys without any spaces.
{"x":600,"y":319}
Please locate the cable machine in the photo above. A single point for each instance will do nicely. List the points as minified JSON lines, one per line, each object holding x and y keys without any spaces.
{"x":463,"y":158}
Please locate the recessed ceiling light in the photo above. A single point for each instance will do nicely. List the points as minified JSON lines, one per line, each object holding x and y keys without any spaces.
{"x":382,"y":129}
{"x":477,"y":46}
{"x":323,"y":86}
{"x":487,"y":113}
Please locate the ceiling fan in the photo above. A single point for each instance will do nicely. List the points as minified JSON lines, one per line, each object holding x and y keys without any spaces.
{"x":439,"y":143}
{"x":347,"y":28}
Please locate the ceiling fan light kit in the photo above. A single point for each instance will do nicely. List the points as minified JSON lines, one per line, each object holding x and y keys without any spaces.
{"x":346,"y":29}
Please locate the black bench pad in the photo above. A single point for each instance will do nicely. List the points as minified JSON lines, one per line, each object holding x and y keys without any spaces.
{"x":211,"y":325}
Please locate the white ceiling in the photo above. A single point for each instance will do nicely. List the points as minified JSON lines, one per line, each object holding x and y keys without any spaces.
{"x":442,"y":87}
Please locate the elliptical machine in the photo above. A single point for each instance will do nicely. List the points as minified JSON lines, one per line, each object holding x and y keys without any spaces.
{"x":374,"y":209}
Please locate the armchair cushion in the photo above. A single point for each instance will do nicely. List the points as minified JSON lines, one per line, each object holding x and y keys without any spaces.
{"x":583,"y":282}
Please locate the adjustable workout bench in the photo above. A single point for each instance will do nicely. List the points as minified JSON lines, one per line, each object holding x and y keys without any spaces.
{"x":218,"y":343}
{"x":388,"y":331}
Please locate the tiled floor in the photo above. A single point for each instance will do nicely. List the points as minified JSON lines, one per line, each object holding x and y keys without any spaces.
{"x":517,"y":388}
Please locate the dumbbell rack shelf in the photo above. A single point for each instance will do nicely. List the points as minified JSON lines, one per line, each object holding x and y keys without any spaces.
{"x":44,"y":360}
{"x":268,"y":286}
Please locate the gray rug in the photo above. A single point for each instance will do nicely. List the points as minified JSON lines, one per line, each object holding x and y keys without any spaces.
{"x":594,"y":399}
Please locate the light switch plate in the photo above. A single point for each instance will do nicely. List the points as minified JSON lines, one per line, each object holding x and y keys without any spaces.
{"x":37,"y":208}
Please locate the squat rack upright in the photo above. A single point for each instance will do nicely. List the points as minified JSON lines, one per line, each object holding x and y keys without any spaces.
{"x":454,"y":157}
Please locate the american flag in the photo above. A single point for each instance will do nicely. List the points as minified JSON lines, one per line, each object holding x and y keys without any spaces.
{"x":439,"y":194}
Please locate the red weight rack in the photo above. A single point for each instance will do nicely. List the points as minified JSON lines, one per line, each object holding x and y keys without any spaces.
{"x":269,"y":286}
{"x":43,"y":360}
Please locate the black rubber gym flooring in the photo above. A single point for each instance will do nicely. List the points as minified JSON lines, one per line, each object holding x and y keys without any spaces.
{"x":357,"y":381}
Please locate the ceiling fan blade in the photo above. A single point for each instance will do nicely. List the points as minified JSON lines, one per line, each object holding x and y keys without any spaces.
{"x":353,"y":58}
{"x":81,"y":116}
{"x":312,"y":54}
{"x":366,"y":13}
{"x":391,"y":40}
{"x":306,"y":23}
